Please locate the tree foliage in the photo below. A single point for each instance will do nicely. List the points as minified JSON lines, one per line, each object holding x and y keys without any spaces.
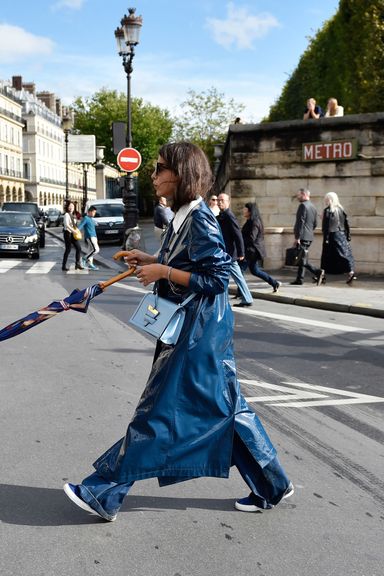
{"x":345,"y":60}
{"x":151,"y":127}
{"x":205,"y":119}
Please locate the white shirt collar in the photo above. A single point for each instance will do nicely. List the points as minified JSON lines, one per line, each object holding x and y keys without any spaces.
{"x":183,"y":212}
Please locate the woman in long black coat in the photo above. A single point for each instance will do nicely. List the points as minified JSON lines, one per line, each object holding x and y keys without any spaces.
{"x":336,"y":256}
{"x":253,"y":236}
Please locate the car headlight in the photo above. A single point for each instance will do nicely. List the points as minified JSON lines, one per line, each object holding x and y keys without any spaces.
{"x":31,"y":238}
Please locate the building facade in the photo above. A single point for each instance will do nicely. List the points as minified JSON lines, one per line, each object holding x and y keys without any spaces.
{"x":268,"y":163}
{"x":11,"y":151}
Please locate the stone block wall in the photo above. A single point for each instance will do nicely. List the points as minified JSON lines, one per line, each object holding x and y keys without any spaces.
{"x":263,"y":163}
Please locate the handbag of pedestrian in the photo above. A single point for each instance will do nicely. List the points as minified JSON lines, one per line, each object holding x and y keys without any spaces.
{"x":160,"y":317}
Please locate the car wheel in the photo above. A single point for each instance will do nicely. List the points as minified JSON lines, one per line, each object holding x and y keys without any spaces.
{"x":35,"y":256}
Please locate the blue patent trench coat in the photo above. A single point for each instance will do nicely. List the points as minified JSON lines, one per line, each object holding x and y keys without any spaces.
{"x":184,"y":424}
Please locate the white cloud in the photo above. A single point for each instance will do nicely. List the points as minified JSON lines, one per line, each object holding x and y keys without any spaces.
{"x":17,"y":44}
{"x":71,"y":4}
{"x":240,"y":27}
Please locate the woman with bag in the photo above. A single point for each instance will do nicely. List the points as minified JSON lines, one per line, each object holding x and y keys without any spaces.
{"x":253,"y":236}
{"x":71,"y":238}
{"x":191,"y":420}
{"x":336,"y":256}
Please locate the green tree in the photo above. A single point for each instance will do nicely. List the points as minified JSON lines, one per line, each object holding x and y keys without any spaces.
{"x":151,"y":127}
{"x":345,"y":59}
{"x":205,"y":119}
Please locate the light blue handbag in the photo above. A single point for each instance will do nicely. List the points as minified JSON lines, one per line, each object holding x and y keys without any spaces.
{"x":160,"y":317}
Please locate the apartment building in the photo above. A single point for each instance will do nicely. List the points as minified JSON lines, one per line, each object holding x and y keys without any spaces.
{"x":11,"y":151}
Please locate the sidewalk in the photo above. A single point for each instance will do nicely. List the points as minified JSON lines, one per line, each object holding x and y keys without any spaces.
{"x":365,"y":296}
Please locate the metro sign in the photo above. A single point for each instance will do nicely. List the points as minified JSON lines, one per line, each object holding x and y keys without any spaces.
{"x":129,"y":159}
{"x":329,"y":151}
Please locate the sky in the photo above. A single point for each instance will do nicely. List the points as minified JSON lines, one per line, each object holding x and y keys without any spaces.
{"x":246,"y":49}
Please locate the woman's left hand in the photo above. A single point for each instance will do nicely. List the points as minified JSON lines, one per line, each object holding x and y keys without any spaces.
{"x":151,"y":272}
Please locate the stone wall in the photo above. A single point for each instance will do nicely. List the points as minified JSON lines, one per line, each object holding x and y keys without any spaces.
{"x":263,"y":163}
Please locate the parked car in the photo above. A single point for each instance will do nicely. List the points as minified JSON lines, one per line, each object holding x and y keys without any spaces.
{"x":53,"y":217}
{"x":109,"y":219}
{"x":19,"y":234}
{"x":31,"y":208}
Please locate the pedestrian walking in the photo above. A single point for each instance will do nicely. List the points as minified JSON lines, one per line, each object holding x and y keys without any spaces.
{"x":191,"y":420}
{"x":161,"y":217}
{"x":305,"y":224}
{"x":69,"y":229}
{"x":234,"y":246}
{"x":336,"y":255}
{"x":212,"y":204}
{"x":253,"y":236}
{"x":90,"y":236}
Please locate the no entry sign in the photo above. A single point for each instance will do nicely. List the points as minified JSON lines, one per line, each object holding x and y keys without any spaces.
{"x":129,"y":159}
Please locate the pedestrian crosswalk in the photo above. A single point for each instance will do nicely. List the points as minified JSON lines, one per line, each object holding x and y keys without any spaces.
{"x":40,"y":267}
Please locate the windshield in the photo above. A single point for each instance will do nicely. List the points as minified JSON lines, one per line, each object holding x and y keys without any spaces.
{"x":20,"y":207}
{"x":16,"y":220}
{"x":108,"y":210}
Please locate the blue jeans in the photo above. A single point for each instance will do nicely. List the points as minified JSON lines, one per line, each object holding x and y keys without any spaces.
{"x":237,"y":275}
{"x":268,"y":484}
{"x":256,"y":270}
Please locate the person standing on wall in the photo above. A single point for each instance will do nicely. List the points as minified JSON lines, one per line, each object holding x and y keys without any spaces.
{"x":234,"y":246}
{"x":306,"y":222}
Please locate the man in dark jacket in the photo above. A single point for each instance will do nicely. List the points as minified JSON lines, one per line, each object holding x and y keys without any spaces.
{"x":306,"y":222}
{"x":234,"y":246}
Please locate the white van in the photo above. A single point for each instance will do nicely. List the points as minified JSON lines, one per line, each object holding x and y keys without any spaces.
{"x":109,"y":219}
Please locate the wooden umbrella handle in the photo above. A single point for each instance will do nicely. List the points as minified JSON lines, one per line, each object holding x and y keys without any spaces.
{"x":106,"y":283}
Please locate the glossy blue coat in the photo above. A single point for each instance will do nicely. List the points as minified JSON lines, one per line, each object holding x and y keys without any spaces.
{"x":184,"y":423}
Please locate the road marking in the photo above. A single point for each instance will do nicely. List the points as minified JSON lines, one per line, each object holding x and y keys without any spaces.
{"x":307,"y":395}
{"x":41,"y":268}
{"x":296,"y":320}
{"x":6,"y":265}
{"x":133,"y":288}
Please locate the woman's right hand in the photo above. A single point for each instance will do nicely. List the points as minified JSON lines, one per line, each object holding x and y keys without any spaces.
{"x":136,"y":257}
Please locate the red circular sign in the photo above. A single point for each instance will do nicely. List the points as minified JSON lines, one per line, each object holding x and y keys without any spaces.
{"x":129,"y":159}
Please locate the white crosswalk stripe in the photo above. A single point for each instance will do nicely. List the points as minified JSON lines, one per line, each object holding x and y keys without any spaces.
{"x":41,"y":268}
{"x":6,"y":265}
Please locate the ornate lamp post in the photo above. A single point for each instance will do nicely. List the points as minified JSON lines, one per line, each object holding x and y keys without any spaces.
{"x":127,"y":37}
{"x":67,"y":124}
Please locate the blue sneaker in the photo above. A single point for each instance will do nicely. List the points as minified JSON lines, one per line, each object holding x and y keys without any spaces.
{"x":70,"y":489}
{"x":92,"y":267}
{"x":249,"y":504}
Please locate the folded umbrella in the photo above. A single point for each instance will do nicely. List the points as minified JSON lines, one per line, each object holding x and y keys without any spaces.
{"x":78,"y":300}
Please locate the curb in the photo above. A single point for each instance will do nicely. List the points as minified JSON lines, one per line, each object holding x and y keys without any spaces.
{"x":321,"y":305}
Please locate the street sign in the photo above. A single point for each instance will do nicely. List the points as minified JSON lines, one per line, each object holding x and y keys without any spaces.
{"x":129,"y":159}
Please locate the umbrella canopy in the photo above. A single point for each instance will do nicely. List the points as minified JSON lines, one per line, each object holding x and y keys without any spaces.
{"x":78,"y":300}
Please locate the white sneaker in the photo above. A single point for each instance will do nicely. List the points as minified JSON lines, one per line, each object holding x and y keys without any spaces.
{"x":70,"y":492}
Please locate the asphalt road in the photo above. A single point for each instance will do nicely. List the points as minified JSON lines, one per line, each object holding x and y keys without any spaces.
{"x":70,"y":386}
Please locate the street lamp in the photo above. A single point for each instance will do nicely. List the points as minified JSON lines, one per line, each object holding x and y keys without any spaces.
{"x":67,"y":124}
{"x":127,"y":37}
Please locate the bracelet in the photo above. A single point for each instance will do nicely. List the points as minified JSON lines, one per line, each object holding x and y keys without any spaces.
{"x":173,"y":288}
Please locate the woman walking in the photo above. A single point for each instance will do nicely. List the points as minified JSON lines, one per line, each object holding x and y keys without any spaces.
{"x":253,"y":236}
{"x":191,"y":420}
{"x":69,"y":227}
{"x":336,"y":256}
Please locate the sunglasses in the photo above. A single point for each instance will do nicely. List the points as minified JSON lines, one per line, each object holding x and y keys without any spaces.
{"x":160,"y":167}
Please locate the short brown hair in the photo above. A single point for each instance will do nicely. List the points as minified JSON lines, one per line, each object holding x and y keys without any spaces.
{"x":191,"y":165}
